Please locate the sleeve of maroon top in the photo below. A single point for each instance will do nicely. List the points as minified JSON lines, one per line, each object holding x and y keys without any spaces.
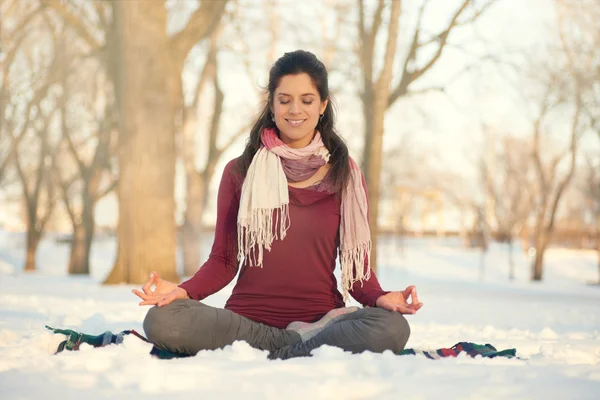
{"x":367,"y":292}
{"x":222,"y":265}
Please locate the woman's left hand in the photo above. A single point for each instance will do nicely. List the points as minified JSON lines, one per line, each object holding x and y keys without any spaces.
{"x":398,"y":301}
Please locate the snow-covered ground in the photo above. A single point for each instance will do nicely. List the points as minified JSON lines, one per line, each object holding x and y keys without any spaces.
{"x":554,"y":325}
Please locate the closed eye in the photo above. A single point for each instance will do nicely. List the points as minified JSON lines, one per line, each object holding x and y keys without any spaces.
{"x":287,"y":102}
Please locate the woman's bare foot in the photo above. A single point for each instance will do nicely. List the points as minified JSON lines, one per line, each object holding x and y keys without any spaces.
{"x":309,"y":329}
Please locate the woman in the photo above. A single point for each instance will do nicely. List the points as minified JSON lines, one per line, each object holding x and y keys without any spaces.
{"x":285,"y":208}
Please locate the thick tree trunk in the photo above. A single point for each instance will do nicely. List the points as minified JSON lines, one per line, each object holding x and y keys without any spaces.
{"x":147,"y":92}
{"x":33,"y":240}
{"x":192,"y":226}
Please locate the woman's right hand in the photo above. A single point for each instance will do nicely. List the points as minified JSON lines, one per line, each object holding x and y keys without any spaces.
{"x":164,"y":292}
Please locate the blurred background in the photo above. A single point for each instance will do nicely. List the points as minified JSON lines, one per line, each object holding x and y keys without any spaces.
{"x":475,"y":121}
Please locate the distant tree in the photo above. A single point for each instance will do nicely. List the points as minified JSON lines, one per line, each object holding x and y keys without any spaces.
{"x":83,"y":178}
{"x":198,"y":177}
{"x":378,"y":93}
{"x":551,"y":184}
{"x":14,"y":36}
{"x":29,"y":98}
{"x":507,"y":172}
{"x":591,"y":191}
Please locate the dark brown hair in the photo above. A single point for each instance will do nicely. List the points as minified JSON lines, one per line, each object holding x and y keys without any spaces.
{"x":294,"y":63}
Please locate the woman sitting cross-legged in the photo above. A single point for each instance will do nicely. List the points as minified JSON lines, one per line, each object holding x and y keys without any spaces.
{"x":286,"y":208}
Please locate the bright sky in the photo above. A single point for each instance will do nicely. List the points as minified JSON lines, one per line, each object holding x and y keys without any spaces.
{"x":446,"y":126}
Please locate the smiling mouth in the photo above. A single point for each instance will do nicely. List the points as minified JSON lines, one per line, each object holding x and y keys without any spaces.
{"x":295,"y":122}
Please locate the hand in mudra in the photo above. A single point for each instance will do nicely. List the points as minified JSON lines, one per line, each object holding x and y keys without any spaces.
{"x":164,"y":292}
{"x":398,"y":301}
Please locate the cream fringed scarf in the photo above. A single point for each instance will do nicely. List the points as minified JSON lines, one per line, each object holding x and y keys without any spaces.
{"x":264,"y":205}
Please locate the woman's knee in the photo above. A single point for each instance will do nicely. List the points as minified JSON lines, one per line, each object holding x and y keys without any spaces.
{"x":393,"y":330}
{"x":399,"y":330}
{"x":155,"y":324}
{"x":160,"y":322}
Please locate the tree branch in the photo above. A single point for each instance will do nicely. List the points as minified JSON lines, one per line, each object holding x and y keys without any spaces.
{"x":563,"y":184}
{"x":74,"y":21}
{"x":64,"y":186}
{"x":201,"y":24}
{"x":390,"y":49}
{"x":112,"y":186}
{"x":536,"y":153}
{"x":410,"y":76}
{"x":66,"y":134}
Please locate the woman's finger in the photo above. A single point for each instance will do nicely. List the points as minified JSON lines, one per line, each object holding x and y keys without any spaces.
{"x":139,"y":294}
{"x":157,"y":278}
{"x":413,"y":296}
{"x":407,"y":292}
{"x":149,"y":302}
{"x":405,"y":310}
{"x":145,"y":296}
{"x":147,"y":288}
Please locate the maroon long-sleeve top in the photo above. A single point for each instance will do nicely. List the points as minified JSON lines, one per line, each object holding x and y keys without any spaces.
{"x":296,"y":282}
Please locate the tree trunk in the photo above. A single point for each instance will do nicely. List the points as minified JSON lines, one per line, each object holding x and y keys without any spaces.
{"x":81,"y":245}
{"x":538,"y":262}
{"x":511,"y":261}
{"x":33,"y":240}
{"x":192,"y":226}
{"x":77,"y":260}
{"x":598,"y":248}
{"x":372,"y":158}
{"x":147,"y":93}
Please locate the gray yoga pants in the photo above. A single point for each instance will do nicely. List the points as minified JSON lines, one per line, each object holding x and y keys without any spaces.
{"x":185,"y":327}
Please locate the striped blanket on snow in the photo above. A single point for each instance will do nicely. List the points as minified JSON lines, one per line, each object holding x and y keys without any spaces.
{"x":75,"y":339}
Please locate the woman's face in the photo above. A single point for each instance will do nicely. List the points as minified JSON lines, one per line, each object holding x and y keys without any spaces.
{"x":297,"y":107}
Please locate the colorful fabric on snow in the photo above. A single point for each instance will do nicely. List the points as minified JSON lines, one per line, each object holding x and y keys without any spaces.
{"x":471,"y":349}
{"x":75,"y":339}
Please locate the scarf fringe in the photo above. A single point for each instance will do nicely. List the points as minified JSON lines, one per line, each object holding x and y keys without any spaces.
{"x":355,"y":264}
{"x":263,"y":214}
{"x":258,"y":231}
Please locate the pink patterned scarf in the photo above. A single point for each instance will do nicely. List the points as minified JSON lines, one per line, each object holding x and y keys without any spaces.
{"x":264,"y":205}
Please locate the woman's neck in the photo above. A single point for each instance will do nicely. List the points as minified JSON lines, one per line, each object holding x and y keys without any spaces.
{"x":297,"y":144}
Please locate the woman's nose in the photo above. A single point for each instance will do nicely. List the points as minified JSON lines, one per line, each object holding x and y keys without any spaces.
{"x":294,"y":108}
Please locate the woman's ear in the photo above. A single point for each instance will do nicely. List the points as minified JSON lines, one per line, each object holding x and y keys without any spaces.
{"x":324,"y":106}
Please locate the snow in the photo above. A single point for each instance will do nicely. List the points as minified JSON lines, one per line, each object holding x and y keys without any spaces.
{"x":554,"y":325}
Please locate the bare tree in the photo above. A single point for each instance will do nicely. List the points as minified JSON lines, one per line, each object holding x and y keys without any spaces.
{"x":591,"y":192}
{"x":145,"y":64}
{"x":579,"y":30}
{"x":551,"y":184}
{"x":198,"y":180}
{"x":377,"y":93}
{"x":144,"y":163}
{"x":24,"y":15}
{"x":29,"y":72}
{"x":507,"y":177}
{"x":90,"y":159}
